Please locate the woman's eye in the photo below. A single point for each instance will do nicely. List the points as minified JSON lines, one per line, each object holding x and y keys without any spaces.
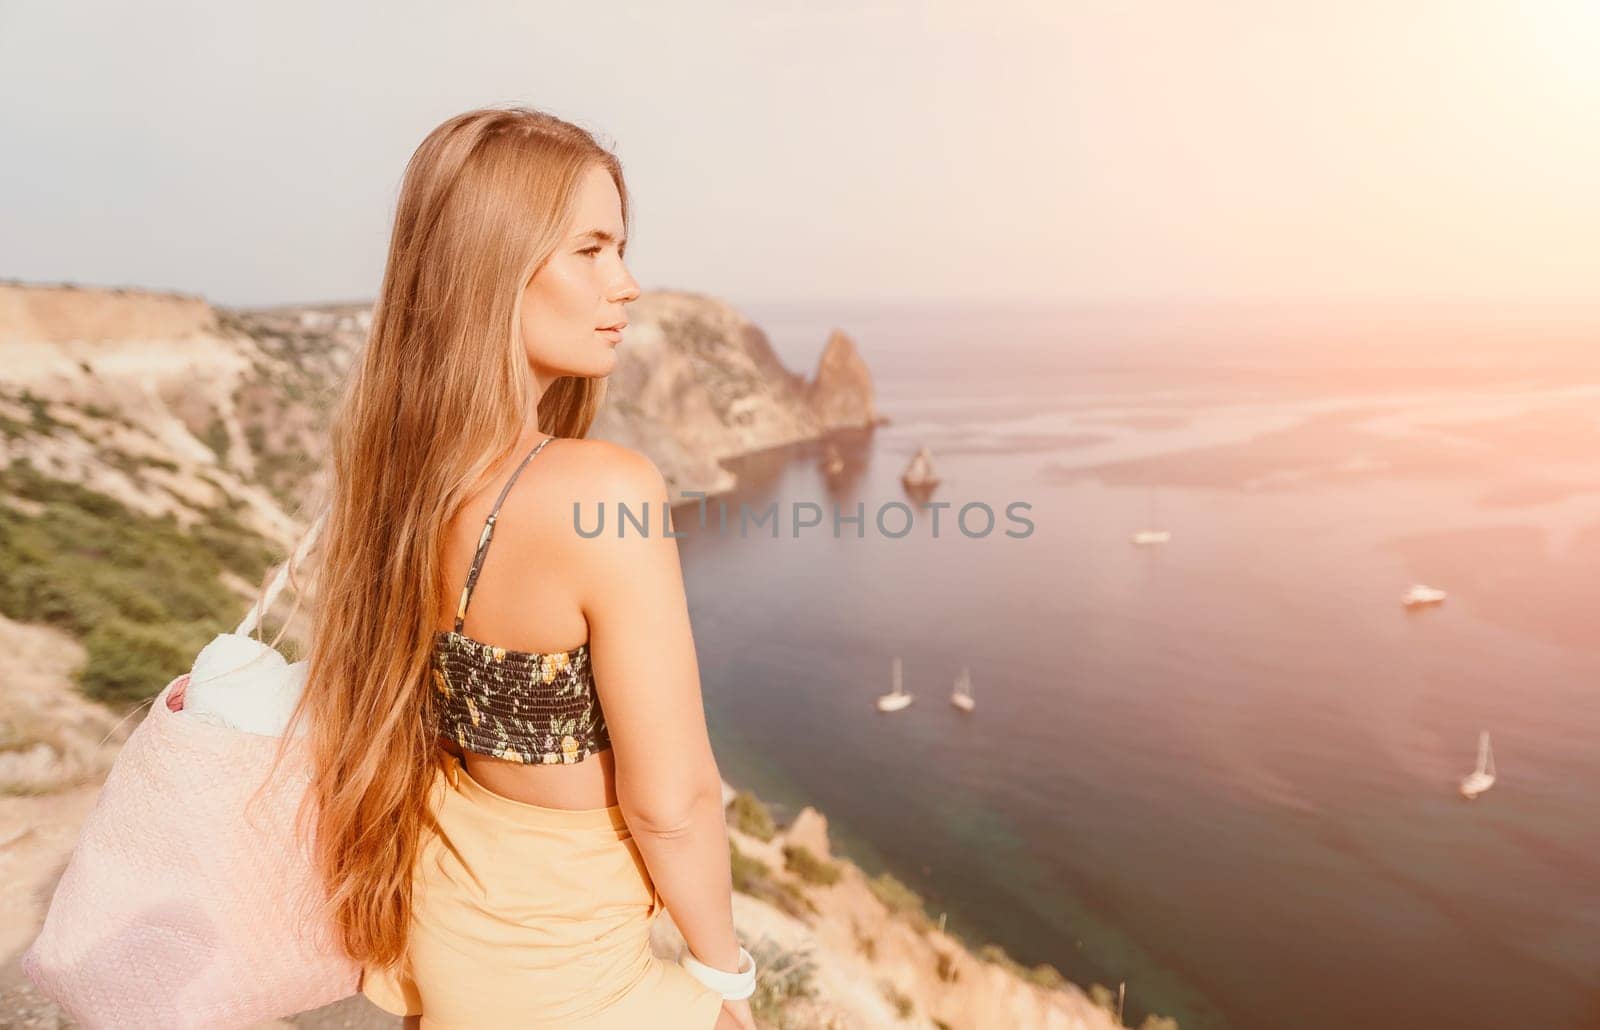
{"x":590,"y":250}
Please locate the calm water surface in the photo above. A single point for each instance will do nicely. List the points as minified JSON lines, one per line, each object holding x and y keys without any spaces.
{"x":1222,"y":770}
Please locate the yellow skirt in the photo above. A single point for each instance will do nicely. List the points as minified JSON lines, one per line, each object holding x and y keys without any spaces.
{"x":526,"y":916}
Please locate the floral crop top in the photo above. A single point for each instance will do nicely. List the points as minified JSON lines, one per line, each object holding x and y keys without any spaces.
{"x":524,"y":706}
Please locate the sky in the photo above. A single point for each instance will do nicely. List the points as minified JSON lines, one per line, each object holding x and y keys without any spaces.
{"x":783,"y":152}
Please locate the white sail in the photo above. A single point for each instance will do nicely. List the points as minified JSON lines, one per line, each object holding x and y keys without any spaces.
{"x":1420,"y":595}
{"x":1482,"y":777}
{"x":897,"y":698}
{"x":1152,"y":535}
{"x":961,"y":696}
{"x":920,"y":470}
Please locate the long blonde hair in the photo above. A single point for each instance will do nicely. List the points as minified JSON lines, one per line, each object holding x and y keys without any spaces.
{"x":438,"y":397}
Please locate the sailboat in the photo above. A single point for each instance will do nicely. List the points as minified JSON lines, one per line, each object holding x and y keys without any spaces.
{"x":919,"y":475}
{"x":1145,"y":537}
{"x":1482,"y":778}
{"x":897,"y":698}
{"x":1420,"y":595}
{"x":832,"y":463}
{"x":961,"y":697}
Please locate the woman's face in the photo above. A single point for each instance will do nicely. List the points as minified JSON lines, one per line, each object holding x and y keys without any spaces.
{"x":572,"y":301}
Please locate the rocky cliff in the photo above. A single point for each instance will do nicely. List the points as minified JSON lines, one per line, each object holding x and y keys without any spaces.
{"x":182,"y":438}
{"x":840,"y":395}
{"x":239,"y":398}
{"x":697,"y":382}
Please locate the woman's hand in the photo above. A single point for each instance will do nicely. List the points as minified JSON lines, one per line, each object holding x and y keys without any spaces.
{"x":736,"y":1015}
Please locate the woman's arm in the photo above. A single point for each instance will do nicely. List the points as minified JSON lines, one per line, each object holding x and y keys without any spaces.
{"x":646,"y":673}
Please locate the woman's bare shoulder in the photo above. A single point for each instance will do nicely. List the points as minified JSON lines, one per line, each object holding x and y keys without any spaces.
{"x":579,"y":480}
{"x":590,"y":471}
{"x":602,"y":463}
{"x":544,"y":539}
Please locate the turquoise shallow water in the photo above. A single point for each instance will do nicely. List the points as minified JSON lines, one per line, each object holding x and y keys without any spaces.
{"x":1222,"y":770}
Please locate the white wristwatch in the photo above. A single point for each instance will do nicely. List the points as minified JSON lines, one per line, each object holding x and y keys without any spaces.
{"x":732,"y":986}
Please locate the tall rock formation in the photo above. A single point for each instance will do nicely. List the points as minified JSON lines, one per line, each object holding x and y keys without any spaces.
{"x":841,"y":394}
{"x":696,"y":382}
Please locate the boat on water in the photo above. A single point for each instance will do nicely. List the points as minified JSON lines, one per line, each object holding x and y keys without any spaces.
{"x":1481,"y":778}
{"x":1420,"y":596}
{"x":961,"y":696}
{"x":1150,"y":537}
{"x":919,"y":474}
{"x":832,"y":462}
{"x":897,"y":698}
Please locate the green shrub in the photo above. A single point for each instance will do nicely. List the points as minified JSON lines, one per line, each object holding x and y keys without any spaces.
{"x":900,"y":900}
{"x":751,"y":817}
{"x":748,"y":871}
{"x":753,"y":877}
{"x":239,"y":548}
{"x":216,"y":437}
{"x":13,"y":429}
{"x":1046,"y":976}
{"x":867,"y":944}
{"x":42,"y":421}
{"x":1154,"y":1022}
{"x":127,"y":658}
{"x":996,"y":954}
{"x":898,"y":998}
{"x":803,"y":863}
{"x":141,"y":594}
{"x":784,"y":975}
{"x":792,"y":899}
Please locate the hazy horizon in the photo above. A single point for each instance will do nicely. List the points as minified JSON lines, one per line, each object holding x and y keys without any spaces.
{"x":1585,"y":310}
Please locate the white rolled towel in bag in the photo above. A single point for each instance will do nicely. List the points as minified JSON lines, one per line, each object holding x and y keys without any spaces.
{"x":241,"y":682}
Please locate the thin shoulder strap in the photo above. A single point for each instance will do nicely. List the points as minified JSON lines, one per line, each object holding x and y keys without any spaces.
{"x":488,"y":531}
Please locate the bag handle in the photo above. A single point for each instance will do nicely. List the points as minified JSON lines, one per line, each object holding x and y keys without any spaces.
{"x":263,"y":603}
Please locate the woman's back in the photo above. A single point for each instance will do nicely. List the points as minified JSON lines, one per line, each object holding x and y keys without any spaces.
{"x":527,"y":600}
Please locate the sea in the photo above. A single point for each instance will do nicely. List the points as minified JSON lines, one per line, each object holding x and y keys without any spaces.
{"x":1220,"y":772}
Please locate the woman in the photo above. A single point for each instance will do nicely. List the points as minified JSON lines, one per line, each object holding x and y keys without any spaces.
{"x":511,"y":770}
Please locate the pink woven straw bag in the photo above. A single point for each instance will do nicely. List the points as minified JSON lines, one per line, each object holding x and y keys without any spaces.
{"x":181,"y":906}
